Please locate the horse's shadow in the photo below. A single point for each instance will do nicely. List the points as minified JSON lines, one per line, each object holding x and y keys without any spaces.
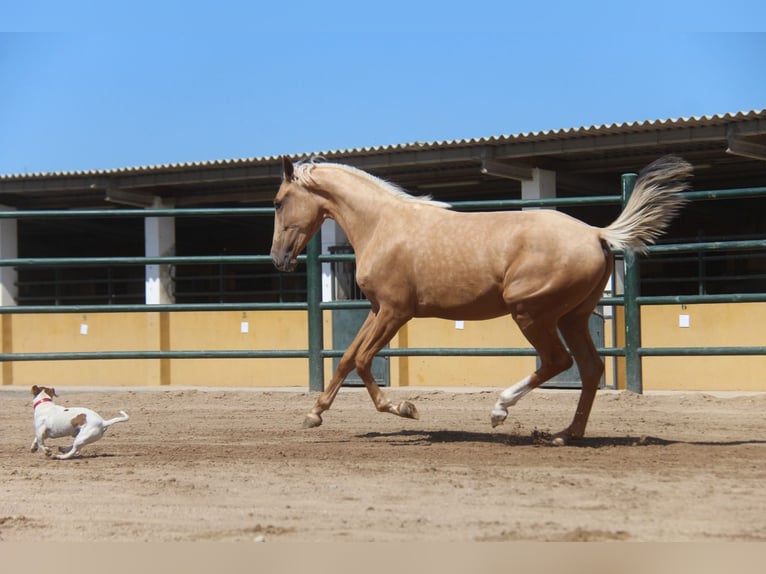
{"x":536,"y":438}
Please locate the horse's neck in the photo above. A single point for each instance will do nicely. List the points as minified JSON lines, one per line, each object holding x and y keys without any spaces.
{"x":355,"y":204}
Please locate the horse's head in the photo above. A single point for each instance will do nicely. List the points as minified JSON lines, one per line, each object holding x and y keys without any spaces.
{"x":297,"y":217}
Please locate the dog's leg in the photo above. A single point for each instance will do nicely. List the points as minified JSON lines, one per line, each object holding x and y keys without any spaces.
{"x":72,"y":451}
{"x":87,"y":435}
{"x":34,"y":445}
{"x":40,"y":443}
{"x":68,"y":454}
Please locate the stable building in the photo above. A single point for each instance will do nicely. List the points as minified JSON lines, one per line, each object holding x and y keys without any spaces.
{"x":74,"y":246}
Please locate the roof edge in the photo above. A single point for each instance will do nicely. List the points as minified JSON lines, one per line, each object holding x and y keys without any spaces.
{"x":602,"y":129}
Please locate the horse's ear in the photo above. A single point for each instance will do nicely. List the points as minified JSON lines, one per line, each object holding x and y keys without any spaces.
{"x":288,"y":172}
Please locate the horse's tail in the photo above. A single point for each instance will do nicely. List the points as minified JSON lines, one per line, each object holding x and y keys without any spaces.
{"x":120,"y":419}
{"x":654,"y":203}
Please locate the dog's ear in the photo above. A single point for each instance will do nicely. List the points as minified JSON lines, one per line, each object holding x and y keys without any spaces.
{"x":35,"y":390}
{"x":53,"y":392}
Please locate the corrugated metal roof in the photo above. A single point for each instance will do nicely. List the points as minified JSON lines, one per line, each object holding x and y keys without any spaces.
{"x":564,"y":133}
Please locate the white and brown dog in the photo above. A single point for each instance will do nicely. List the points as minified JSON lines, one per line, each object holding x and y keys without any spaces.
{"x":54,"y":421}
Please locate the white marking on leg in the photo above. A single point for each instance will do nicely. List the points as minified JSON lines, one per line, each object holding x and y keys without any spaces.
{"x":511,"y":395}
{"x":508,"y":398}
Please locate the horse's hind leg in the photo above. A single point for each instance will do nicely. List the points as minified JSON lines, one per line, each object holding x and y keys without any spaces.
{"x":554,"y":359}
{"x":574,"y":328}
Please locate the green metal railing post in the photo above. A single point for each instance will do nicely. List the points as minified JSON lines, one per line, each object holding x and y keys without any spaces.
{"x":632,"y":309}
{"x":316,"y":327}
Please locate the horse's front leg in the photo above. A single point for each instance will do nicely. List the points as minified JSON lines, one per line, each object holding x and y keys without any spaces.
{"x":345,"y":366}
{"x":382,"y":329}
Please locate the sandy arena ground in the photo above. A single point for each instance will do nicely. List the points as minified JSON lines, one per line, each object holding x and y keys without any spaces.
{"x":235,"y":465}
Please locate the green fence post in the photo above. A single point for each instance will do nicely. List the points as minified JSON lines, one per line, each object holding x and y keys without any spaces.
{"x":632,"y":309}
{"x":316,"y":327}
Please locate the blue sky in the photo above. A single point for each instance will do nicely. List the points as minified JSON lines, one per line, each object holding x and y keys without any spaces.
{"x":90,"y":85}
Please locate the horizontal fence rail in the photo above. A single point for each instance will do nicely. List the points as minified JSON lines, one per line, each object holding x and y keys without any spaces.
{"x":137,"y":213}
{"x":160,"y":260}
{"x":115,"y":355}
{"x":155,"y":308}
{"x":314,"y":306}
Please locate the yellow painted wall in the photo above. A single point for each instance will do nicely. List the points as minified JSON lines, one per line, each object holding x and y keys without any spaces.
{"x":67,"y":333}
{"x":712,"y":325}
{"x":267,"y":330}
{"x":460,"y":371}
{"x":183,"y":331}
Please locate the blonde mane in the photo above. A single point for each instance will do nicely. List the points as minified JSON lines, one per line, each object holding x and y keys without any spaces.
{"x":303,"y":176}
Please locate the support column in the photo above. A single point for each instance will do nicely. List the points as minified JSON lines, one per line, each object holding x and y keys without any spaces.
{"x":541,"y":186}
{"x":331,"y":234}
{"x":159,"y":241}
{"x":8,"y":292}
{"x":8,"y":250}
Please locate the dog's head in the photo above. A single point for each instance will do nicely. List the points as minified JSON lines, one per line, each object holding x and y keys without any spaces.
{"x":50,"y":391}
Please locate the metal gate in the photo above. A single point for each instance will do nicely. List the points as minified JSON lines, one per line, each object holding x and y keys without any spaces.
{"x":347,"y":322}
{"x":570,"y":379}
{"x":345,"y":325}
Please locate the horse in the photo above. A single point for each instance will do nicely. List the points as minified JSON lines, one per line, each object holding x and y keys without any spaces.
{"x":415,"y":257}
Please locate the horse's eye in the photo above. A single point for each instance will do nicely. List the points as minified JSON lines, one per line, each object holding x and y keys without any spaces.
{"x":277,"y":205}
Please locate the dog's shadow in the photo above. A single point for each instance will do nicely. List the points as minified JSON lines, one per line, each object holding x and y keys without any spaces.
{"x":87,"y":456}
{"x":536,"y":438}
{"x":83,"y":456}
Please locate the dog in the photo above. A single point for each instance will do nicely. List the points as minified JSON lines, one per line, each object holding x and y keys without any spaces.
{"x":54,"y":421}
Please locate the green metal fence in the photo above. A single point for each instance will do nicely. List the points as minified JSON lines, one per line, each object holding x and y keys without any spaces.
{"x":314,"y":306}
{"x":631,"y":299}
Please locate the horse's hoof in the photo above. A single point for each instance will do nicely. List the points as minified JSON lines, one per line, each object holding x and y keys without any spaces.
{"x":498,"y":419}
{"x":559,"y":440}
{"x":311,"y":421}
{"x":407,"y":410}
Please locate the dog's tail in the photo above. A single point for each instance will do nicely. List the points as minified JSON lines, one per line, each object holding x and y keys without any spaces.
{"x":120,"y":419}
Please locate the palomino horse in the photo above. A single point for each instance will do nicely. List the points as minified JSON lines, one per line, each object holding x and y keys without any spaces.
{"x":416,"y":258}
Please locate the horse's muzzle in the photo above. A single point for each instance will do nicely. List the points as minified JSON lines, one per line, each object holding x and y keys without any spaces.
{"x":284,"y":261}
